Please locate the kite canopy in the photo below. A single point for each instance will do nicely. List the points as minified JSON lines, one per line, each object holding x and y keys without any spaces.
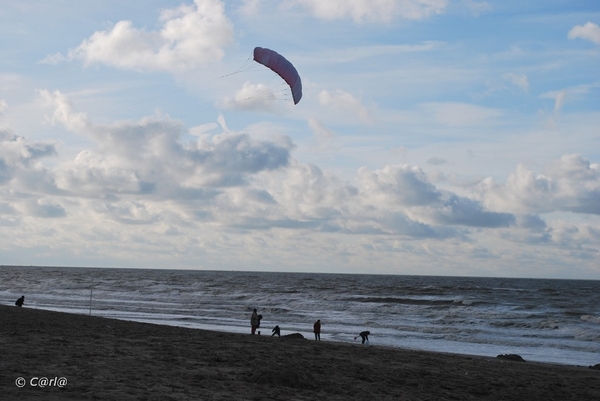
{"x":282,"y":67}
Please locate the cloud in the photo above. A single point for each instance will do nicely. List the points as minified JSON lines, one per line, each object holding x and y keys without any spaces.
{"x":26,"y":186}
{"x":62,"y":111}
{"x":345,"y":104}
{"x":91,"y":174}
{"x":476,"y":7}
{"x":562,"y":96}
{"x":408,"y":188}
{"x":569,"y":184}
{"x":510,"y":81}
{"x":460,"y":114}
{"x":356,"y":53}
{"x":53,"y":59}
{"x":135,"y":157}
{"x":323,"y":135}
{"x":396,"y":200}
{"x":138,"y":172}
{"x":559,"y":100}
{"x":19,"y":156}
{"x":312,"y":198}
{"x":257,"y":97}
{"x":191,"y":35}
{"x":143,"y":173}
{"x":462,"y":211}
{"x":374,"y":10}
{"x":436,"y":161}
{"x":518,"y":80}
{"x":249,"y":7}
{"x":531,"y":221}
{"x":307,"y":192}
{"x":43,"y":208}
{"x":229,"y":158}
{"x":400,"y":185}
{"x":131,"y":212}
{"x":589,"y":31}
{"x":302,"y":196}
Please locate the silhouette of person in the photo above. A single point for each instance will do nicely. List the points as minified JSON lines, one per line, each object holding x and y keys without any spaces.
{"x":20,"y":301}
{"x":277,"y":331}
{"x":317,"y":330}
{"x":254,"y":321}
{"x":364,"y":335}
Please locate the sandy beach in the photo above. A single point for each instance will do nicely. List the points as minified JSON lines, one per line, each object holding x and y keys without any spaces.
{"x":59,"y":356}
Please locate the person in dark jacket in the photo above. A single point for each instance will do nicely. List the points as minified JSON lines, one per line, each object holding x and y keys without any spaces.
{"x":20,"y":301}
{"x":277,"y":331}
{"x":364,"y":335}
{"x":317,"y":330}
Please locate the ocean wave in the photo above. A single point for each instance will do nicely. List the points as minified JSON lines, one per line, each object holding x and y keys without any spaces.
{"x":591,"y":318}
{"x":406,"y":301}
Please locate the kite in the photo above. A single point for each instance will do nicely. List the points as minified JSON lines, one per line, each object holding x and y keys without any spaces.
{"x":282,"y":67}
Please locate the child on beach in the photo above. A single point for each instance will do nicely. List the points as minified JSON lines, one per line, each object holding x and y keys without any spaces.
{"x":277,"y":331}
{"x":20,"y":301}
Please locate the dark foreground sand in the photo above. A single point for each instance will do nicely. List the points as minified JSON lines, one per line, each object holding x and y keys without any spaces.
{"x":105,"y":359}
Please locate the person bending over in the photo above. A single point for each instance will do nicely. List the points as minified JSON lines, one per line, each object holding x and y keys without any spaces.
{"x":364,"y":335}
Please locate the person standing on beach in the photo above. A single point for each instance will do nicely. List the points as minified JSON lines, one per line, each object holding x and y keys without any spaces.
{"x":20,"y":301}
{"x":254,"y":321}
{"x":317,"y":330}
{"x":277,"y":331}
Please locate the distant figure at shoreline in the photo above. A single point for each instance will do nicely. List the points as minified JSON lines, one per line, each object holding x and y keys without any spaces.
{"x":317,"y":330}
{"x":277,"y":331}
{"x":19,"y":302}
{"x":364,"y":335}
{"x":254,"y":321}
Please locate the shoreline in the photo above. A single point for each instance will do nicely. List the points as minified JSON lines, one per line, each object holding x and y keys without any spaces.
{"x":105,"y":358}
{"x":308,"y":336}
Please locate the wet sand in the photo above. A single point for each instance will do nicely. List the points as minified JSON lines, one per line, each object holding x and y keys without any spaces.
{"x":107,"y":359}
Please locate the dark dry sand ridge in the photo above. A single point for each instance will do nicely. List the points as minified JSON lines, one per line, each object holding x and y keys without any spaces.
{"x":106,"y":359}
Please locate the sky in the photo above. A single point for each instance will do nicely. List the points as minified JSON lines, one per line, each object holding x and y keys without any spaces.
{"x":434,"y":137}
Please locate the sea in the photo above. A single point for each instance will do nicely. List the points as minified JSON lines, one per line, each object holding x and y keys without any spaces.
{"x":544,"y":320}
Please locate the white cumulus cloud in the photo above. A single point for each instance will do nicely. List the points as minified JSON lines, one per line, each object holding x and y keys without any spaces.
{"x":571,"y":184}
{"x":190,"y":36}
{"x":588,"y":31}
